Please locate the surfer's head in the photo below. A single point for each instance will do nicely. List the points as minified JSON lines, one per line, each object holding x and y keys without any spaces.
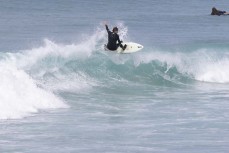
{"x":115,"y":30}
{"x":214,"y":11}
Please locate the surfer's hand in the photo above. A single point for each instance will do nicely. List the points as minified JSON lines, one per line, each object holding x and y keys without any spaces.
{"x":105,"y":23}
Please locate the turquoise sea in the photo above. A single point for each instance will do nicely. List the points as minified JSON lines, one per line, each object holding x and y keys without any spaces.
{"x":60,"y":92}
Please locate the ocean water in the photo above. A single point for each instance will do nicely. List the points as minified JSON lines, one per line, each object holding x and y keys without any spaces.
{"x":61,"y":92}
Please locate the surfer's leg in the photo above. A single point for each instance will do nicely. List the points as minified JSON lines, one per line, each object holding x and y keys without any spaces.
{"x":123,"y":47}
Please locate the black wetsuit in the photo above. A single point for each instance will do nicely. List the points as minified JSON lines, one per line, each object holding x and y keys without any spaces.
{"x":112,"y":40}
{"x":222,"y":12}
{"x":218,"y":13}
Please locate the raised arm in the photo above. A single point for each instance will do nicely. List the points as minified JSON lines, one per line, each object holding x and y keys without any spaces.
{"x":107,"y":28}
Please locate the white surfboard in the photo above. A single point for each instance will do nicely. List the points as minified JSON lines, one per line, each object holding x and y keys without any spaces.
{"x":131,"y":48}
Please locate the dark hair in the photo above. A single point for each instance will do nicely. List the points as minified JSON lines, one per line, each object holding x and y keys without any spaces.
{"x":115,"y":29}
{"x":214,"y":11}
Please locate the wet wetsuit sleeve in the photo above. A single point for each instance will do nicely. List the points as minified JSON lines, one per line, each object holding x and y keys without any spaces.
{"x":108,"y":31}
{"x":119,"y":41}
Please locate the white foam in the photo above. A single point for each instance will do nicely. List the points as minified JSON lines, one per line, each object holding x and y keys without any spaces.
{"x":20,"y":96}
{"x":215,"y":71}
{"x":72,"y":82}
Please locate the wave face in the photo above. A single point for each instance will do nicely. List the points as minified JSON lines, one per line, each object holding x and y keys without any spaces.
{"x":204,"y":64}
{"x":32,"y":79}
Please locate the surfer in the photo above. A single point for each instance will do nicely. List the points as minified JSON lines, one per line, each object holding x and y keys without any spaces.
{"x":218,"y":12}
{"x":113,"y":37}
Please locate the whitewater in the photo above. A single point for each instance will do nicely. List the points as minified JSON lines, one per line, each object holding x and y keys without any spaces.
{"x":61,"y":92}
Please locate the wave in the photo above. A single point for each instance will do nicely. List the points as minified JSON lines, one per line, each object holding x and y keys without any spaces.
{"x":31,"y":79}
{"x":203,"y":64}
